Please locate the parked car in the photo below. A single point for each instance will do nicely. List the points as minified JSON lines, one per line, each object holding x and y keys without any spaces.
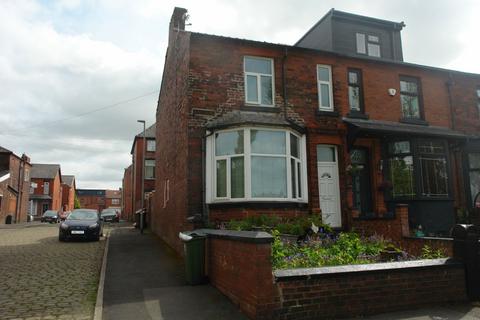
{"x":110,"y":215}
{"x":50,"y":216}
{"x":81,"y":224}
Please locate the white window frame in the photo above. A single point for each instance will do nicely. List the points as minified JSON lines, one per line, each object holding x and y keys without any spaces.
{"x":149,"y":143}
{"x":145,"y":164}
{"x":330,"y":87}
{"x":211,"y":172}
{"x":46,"y":187}
{"x":258,"y":75}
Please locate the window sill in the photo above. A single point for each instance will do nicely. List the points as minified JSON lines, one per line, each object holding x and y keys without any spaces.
{"x":357,"y":115}
{"x":414,"y":121}
{"x":259,"y":108}
{"x":259,"y":204}
{"x":323,"y":113}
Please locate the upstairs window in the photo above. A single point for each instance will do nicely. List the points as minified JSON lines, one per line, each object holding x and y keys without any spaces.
{"x":368,"y":44}
{"x":46,"y":188}
{"x":410,"y":98}
{"x":149,"y":169}
{"x":258,"y":81}
{"x":324,"y":82}
{"x":256,"y":164}
{"x":355,"y":90}
{"x":151,"y":145}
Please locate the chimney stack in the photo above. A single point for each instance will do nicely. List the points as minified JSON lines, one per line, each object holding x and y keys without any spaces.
{"x":177,"y":22}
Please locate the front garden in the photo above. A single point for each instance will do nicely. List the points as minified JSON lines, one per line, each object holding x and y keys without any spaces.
{"x":304,"y":242}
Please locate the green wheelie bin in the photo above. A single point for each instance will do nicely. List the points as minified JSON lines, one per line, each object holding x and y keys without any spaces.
{"x":194,"y":249}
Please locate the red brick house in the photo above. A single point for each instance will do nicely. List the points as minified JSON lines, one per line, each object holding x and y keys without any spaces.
{"x":68,"y":192}
{"x":137,"y":166}
{"x":127,"y":187}
{"x":113,"y":199}
{"x":46,"y":191}
{"x":92,"y":199}
{"x":337,"y":124}
{"x":14,"y":186}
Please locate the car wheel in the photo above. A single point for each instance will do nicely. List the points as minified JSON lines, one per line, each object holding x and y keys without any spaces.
{"x":61,"y":238}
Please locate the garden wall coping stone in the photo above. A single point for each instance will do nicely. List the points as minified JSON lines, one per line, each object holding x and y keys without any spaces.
{"x":307,"y":273}
{"x":243,"y":236}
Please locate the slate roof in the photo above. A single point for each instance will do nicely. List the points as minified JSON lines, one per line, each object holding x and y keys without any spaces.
{"x":3,"y":150}
{"x":40,"y":197}
{"x":68,"y":179}
{"x":390,"y":127}
{"x":240,"y":117}
{"x":149,"y":132}
{"x":44,"y":171}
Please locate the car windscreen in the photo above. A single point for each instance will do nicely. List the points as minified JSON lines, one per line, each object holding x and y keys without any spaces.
{"x":50,"y":213}
{"x":107,"y":212}
{"x":83,"y":215}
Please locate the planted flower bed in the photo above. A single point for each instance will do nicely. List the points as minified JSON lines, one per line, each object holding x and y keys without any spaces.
{"x":305,"y":242}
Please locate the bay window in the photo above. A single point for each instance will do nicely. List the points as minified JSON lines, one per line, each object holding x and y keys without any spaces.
{"x":256,"y":164}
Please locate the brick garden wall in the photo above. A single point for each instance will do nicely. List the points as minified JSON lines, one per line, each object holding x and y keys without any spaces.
{"x":239,"y":265}
{"x":335,"y":292}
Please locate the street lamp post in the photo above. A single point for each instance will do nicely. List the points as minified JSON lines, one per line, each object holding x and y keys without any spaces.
{"x":142,"y":212}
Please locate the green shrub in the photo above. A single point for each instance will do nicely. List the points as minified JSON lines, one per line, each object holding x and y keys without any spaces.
{"x":347,"y":248}
{"x":431,"y":253}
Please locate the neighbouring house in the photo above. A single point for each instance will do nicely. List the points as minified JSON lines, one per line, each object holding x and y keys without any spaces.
{"x":46,"y":190}
{"x":337,"y":124}
{"x":127,"y":187}
{"x":92,"y":199}
{"x":14,"y":186}
{"x":138,"y":167}
{"x":113,"y":199}
{"x":68,"y":192}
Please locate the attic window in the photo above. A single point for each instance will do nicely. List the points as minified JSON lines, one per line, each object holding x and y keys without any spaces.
{"x":368,"y":44}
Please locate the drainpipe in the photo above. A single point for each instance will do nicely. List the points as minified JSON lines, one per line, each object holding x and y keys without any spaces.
{"x":20,"y":189}
{"x":455,"y":161}
{"x":449,"y":84}
{"x":205,"y":211}
{"x":284,"y":82}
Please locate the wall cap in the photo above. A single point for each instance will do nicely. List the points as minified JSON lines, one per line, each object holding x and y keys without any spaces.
{"x":242,"y":236}
{"x":307,"y":273}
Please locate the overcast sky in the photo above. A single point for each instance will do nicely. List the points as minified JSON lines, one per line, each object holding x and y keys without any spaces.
{"x":60,"y":59}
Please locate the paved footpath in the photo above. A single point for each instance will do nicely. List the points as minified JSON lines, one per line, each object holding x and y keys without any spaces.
{"x":42,"y":278}
{"x":145,"y":280}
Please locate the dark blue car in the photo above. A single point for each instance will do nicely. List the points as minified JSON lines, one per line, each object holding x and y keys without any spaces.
{"x":81,"y":224}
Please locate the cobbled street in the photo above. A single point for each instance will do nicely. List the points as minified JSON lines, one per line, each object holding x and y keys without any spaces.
{"x":42,"y":278}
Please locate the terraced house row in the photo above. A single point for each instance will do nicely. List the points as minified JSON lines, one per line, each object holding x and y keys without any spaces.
{"x":336,"y":124}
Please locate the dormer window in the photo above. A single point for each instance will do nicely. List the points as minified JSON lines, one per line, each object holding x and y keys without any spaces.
{"x":368,"y":44}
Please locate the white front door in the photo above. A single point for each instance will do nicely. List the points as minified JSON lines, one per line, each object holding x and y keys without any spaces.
{"x":328,"y":185}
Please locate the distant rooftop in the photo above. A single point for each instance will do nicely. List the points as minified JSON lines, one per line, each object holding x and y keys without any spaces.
{"x":149,"y":132}
{"x":44,"y":171}
{"x":91,"y":192}
{"x":68,"y":179}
